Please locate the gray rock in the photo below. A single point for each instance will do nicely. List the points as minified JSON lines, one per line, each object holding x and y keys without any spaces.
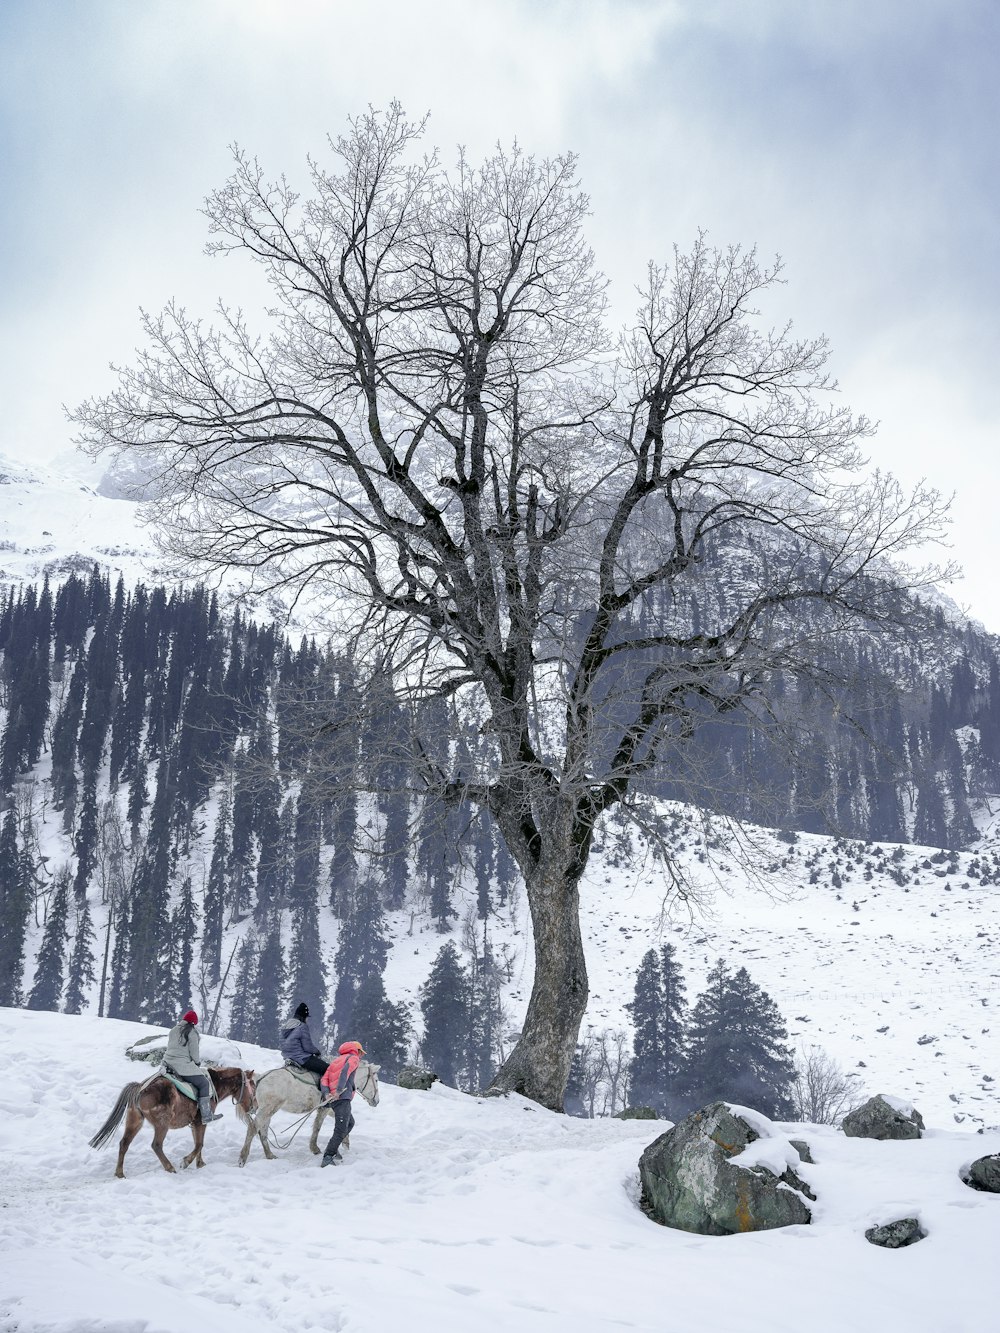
{"x":878,"y":1118}
{"x":689,"y":1181}
{"x":637,"y":1113}
{"x":419,"y":1079}
{"x":984,"y":1174}
{"x":894,"y":1235}
{"x":803,"y":1150}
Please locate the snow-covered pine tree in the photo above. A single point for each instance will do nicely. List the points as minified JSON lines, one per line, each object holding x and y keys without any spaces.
{"x":759,"y":1038}
{"x":82,"y":974}
{"x":15,"y":903}
{"x":50,"y":968}
{"x":446,"y":1008}
{"x":646,"y":1080}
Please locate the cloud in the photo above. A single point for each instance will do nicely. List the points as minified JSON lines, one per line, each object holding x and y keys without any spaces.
{"x":858,"y":139}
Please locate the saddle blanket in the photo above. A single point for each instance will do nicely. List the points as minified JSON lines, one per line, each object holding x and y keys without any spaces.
{"x":303,"y":1075}
{"x":181,"y":1086}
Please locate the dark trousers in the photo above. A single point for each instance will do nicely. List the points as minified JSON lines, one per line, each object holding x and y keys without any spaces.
{"x":201,"y":1083}
{"x":315,"y":1064}
{"x":343,"y":1123}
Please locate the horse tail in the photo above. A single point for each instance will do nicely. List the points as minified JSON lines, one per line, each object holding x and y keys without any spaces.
{"x":126,"y":1099}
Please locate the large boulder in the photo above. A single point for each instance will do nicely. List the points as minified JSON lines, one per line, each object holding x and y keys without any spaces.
{"x":883,"y":1117}
{"x":419,"y":1079}
{"x":721,"y":1171}
{"x":984,"y":1174}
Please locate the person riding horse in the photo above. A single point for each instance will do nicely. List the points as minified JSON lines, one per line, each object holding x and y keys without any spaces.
{"x":182,"y":1058}
{"x":297,"y":1045}
{"x":338,"y":1090}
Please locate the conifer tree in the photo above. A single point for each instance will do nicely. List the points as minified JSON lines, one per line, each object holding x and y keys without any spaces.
{"x":82,"y":974}
{"x":15,"y":903}
{"x":738,"y":1049}
{"x":215,"y":896}
{"x":659,"y":1014}
{"x":362,"y":949}
{"x":646,"y":1080}
{"x":382,"y":1027}
{"x":50,"y":968}
{"x":673,"y":1031}
{"x":183,"y":932}
{"x":711,"y":1070}
{"x":487,"y":1018}
{"x":270,"y":981}
{"x":759,"y":1041}
{"x":147,"y":992}
{"x":445,"y":1005}
{"x":244,"y":1016}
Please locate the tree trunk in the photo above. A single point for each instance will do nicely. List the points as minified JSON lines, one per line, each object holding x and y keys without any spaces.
{"x":538,"y":1066}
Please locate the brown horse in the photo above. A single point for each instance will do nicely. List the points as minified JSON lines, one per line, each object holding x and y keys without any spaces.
{"x":165,"y":1107}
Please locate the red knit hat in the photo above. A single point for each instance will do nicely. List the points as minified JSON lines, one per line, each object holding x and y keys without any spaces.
{"x":190,"y":1017}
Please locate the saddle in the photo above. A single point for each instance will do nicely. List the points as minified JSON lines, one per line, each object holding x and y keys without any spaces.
{"x":303,"y":1075}
{"x":186,"y":1088}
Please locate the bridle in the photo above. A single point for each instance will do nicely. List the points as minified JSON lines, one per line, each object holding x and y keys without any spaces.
{"x":370,"y":1077}
{"x":251,"y":1110}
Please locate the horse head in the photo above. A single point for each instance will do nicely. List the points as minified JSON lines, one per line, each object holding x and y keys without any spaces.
{"x":246,"y":1100}
{"x":366,"y":1081}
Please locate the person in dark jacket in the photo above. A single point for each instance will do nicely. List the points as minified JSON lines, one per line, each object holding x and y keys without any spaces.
{"x":297,"y":1045}
{"x":183,"y":1058}
{"x":338,"y":1091}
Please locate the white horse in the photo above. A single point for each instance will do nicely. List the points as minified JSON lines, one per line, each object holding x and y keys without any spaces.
{"x":281,"y":1090}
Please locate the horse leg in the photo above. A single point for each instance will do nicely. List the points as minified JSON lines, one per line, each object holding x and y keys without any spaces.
{"x":321,"y":1115}
{"x":194,"y":1126}
{"x":262,"y":1130}
{"x":199,"y":1143}
{"x":159,"y":1134}
{"x":133,"y":1123}
{"x":252,"y":1131}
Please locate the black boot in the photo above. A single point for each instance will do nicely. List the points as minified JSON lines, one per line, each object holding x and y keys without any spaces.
{"x":207,"y":1114}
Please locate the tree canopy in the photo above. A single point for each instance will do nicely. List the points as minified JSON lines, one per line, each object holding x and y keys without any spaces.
{"x":589,"y":541}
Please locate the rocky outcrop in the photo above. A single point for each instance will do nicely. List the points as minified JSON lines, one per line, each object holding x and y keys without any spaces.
{"x":418,"y":1079}
{"x":895,"y":1235}
{"x":883,"y":1117}
{"x":803,"y":1150}
{"x":637,"y":1113}
{"x":721,"y":1171}
{"x":984,"y":1174}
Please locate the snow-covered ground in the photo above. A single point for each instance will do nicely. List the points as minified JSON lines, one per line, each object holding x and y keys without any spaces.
{"x":449,"y":1212}
{"x":53,"y":521}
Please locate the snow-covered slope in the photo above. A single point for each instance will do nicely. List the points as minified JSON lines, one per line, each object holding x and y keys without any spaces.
{"x":868,"y":970}
{"x":450,"y":1212}
{"x":53,"y":521}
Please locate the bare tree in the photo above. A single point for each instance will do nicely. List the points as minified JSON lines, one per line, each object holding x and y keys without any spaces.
{"x":823,"y":1093}
{"x":586,"y":542}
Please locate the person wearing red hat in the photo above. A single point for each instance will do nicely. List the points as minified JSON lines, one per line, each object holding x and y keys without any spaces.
{"x":338,"y":1089}
{"x":182,"y":1057}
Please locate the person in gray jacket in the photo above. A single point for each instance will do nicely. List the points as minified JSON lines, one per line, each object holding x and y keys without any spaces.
{"x":182,"y":1058}
{"x":297,"y":1045}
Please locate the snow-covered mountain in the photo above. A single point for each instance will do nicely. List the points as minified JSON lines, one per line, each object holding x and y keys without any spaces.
{"x":54,"y":521}
{"x":449,"y":1212}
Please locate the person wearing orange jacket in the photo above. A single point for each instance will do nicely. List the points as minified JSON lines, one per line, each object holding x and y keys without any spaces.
{"x":338,"y":1089}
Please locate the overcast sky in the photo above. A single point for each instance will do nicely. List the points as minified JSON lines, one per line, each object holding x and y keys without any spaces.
{"x":857,"y":138}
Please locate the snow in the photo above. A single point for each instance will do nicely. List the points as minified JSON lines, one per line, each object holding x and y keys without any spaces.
{"x":450,"y":1212}
{"x":54,"y":522}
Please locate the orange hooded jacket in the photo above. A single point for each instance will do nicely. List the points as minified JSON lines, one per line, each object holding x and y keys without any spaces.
{"x":339,"y":1077}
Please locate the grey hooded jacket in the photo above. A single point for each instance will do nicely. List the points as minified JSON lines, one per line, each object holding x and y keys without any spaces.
{"x":182,"y":1053}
